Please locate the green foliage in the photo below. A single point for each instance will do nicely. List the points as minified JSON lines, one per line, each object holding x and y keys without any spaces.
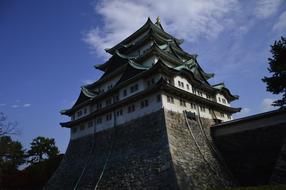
{"x":277,"y":66}
{"x":42,"y":148}
{"x":11,"y":155}
{"x":33,"y":177}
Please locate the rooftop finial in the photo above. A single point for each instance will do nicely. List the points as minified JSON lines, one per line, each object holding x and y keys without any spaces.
{"x":158,"y":20}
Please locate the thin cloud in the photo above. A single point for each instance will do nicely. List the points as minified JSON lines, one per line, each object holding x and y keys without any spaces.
{"x":280,"y":25}
{"x":266,"y":104}
{"x":266,"y":8}
{"x":188,"y":19}
{"x":15,"y":106}
{"x":2,"y":105}
{"x":26,"y":105}
{"x":243,"y":113}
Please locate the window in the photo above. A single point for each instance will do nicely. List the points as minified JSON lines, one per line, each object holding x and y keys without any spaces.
{"x":221,"y":114}
{"x":108,"y":101}
{"x":170,"y":99}
{"x":131,"y":108}
{"x":74,"y":129}
{"x":219,"y":99}
{"x":208,"y":96}
{"x":81,"y":127}
{"x":228,"y":116}
{"x":181,"y":84}
{"x":158,"y":98}
{"x":188,"y":87}
{"x":194,"y":90}
{"x":119,"y":112}
{"x":182,"y":103}
{"x":99,"y":120}
{"x":133,"y":88}
{"x":85,"y":111}
{"x":144,"y":103}
{"x":79,"y":113}
{"x":200,"y":93}
{"x":152,"y":81}
{"x":108,"y":117}
{"x":72,"y":117}
{"x":203,"y":109}
{"x":193,"y":105}
{"x":90,"y":124}
{"x":109,"y":87}
{"x":124,"y":92}
{"x":99,"y":105}
{"x":223,"y":100}
{"x":116,"y":98}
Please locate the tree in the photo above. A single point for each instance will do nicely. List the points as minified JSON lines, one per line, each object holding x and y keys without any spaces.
{"x":11,"y":155}
{"x":42,"y":148}
{"x":6,"y":127}
{"x":277,"y":65}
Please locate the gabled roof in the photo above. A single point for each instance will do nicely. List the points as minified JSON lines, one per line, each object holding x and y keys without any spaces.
{"x":222,"y":88}
{"x":149,"y":25}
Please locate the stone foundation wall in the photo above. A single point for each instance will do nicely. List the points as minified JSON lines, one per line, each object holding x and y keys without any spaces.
{"x":139,"y":158}
{"x":156,"y":151}
{"x":196,"y":164}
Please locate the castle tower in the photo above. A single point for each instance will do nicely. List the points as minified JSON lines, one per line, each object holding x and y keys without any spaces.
{"x":133,"y":127}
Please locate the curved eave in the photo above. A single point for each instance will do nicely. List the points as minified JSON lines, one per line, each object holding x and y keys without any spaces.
{"x":116,"y":57}
{"x":221,"y":88}
{"x":81,"y":99}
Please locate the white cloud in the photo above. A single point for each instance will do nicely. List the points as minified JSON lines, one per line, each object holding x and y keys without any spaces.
{"x":266,"y":105}
{"x":2,"y":104}
{"x":266,"y":8}
{"x":243,"y":113}
{"x":15,"y":106}
{"x":280,"y":25}
{"x":26,"y":105}
{"x":188,"y":19}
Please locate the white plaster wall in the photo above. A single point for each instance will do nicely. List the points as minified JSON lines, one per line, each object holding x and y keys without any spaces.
{"x":127,"y":88}
{"x":80,"y":133}
{"x":176,"y":107}
{"x":219,"y":95}
{"x":153,"y":105}
{"x":112,"y":82}
{"x":185,"y":81}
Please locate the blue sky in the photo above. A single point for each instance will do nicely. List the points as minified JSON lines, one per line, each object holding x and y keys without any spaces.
{"x":48,"y":49}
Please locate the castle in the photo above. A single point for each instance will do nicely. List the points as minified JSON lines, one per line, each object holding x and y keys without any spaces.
{"x":145,"y":123}
{"x":147,"y":71}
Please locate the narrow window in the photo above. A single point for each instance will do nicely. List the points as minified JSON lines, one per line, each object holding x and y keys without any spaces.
{"x":158,"y":98}
{"x":89,"y":124}
{"x":74,"y":129}
{"x":79,"y":113}
{"x":188,"y":87}
{"x":124,"y":92}
{"x":81,"y":127}
{"x":99,"y":120}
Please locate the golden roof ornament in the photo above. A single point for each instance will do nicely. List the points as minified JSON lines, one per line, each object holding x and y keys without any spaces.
{"x":158,"y":20}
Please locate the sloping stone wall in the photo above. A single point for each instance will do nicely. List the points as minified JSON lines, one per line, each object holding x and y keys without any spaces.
{"x":139,"y":158}
{"x":156,"y":151}
{"x":195,"y":163}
